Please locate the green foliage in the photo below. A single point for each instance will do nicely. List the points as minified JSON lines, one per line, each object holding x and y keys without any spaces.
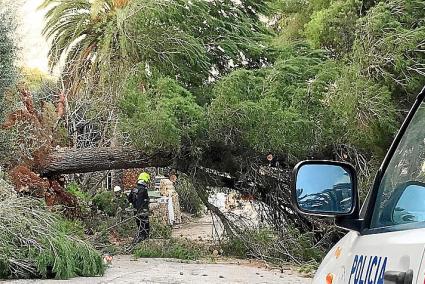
{"x":95,"y":29}
{"x":161,"y":115}
{"x":75,"y":190}
{"x":383,"y":37}
{"x":70,"y":227}
{"x":331,"y":28}
{"x":6,"y":145}
{"x":35,"y":243}
{"x":111,"y":233}
{"x":274,"y":246}
{"x":283,"y":108}
{"x":105,"y":201}
{"x":309,"y":268}
{"x":39,"y":82}
{"x":389,"y":45}
{"x":273,"y":108}
{"x":303,"y":246}
{"x":235,"y":247}
{"x":83,"y":197}
{"x":249,"y":242}
{"x":159,"y":230}
{"x":206,"y":34}
{"x":171,"y":248}
{"x":294,"y":15}
{"x":8,"y":72}
{"x":277,"y":109}
{"x":102,"y":36}
{"x":365,"y":117}
{"x":67,"y":258}
{"x":189,"y":199}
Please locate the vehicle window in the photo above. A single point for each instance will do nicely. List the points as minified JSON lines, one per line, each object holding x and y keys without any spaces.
{"x":411,"y":205}
{"x":401,"y":194}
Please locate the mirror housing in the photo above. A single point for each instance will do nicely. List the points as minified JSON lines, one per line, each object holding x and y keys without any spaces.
{"x":327,"y":188}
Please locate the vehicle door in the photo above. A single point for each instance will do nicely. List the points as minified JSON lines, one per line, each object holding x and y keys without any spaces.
{"x":387,"y":245}
{"x":392,"y":245}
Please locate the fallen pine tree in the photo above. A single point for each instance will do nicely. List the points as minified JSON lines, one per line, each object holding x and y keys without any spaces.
{"x":215,"y":165}
{"x":69,"y":161}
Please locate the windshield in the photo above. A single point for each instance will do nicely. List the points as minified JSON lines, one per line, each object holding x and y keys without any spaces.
{"x":401,"y":194}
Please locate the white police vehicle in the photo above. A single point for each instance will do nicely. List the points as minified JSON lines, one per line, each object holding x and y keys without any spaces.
{"x":386,"y":238}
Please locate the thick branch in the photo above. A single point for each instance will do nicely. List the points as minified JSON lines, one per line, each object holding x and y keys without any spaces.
{"x":98,"y":159}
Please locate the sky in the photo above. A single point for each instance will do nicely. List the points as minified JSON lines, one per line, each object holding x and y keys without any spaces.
{"x":34,"y":47}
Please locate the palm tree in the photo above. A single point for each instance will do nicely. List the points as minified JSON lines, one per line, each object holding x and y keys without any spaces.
{"x":87,"y":35}
{"x":184,"y":39}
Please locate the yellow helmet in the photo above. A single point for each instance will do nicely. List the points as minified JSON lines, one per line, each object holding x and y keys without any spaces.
{"x":144,"y":177}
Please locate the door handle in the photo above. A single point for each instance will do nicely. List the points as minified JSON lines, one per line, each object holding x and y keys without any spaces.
{"x":398,"y":277}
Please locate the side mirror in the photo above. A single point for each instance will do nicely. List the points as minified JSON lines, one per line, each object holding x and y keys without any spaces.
{"x":325,"y":188}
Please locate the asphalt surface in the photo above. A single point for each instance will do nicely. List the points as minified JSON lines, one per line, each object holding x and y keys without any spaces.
{"x":124,"y":269}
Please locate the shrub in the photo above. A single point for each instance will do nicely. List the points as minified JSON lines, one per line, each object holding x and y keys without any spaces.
{"x":83,"y":197}
{"x":287,"y":246}
{"x":235,"y":247}
{"x":159,"y":230}
{"x":188,"y":197}
{"x":247,"y":243}
{"x":171,"y":248}
{"x":104,"y":201}
{"x":75,"y":190}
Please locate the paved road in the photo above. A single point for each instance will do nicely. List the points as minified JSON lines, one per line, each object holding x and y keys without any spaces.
{"x":125,"y":270}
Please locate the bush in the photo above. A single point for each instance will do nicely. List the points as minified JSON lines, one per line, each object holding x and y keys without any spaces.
{"x":235,"y":247}
{"x":84,"y":198}
{"x":71,"y":227}
{"x":159,"y":230}
{"x":75,"y":190}
{"x":243,"y":246}
{"x":287,"y":246}
{"x":104,"y":201}
{"x":35,"y":243}
{"x":172,"y":248}
{"x":188,"y":197}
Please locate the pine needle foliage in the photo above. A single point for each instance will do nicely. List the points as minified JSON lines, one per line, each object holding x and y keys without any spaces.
{"x":33,"y":243}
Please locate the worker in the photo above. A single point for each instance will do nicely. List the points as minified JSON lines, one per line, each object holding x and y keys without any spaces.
{"x":139,"y":198}
{"x":120,"y":202}
{"x":173,"y":177}
{"x":272,"y":160}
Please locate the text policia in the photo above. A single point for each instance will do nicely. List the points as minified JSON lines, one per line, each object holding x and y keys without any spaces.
{"x":368,"y":269}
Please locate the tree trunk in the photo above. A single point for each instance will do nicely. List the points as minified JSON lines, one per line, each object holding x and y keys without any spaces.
{"x":70,"y":161}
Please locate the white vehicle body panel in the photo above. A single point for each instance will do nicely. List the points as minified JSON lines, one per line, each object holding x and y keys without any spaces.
{"x":363,"y":259}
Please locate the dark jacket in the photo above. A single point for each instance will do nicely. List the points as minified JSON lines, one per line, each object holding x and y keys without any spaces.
{"x":139,"y":197}
{"x":274,"y":163}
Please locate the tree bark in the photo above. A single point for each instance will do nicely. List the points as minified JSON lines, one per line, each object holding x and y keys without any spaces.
{"x":68,"y":161}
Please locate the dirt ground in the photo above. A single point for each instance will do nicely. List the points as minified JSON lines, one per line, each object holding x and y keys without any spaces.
{"x":207,"y":227}
{"x":199,"y":229}
{"x":125,"y":269}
